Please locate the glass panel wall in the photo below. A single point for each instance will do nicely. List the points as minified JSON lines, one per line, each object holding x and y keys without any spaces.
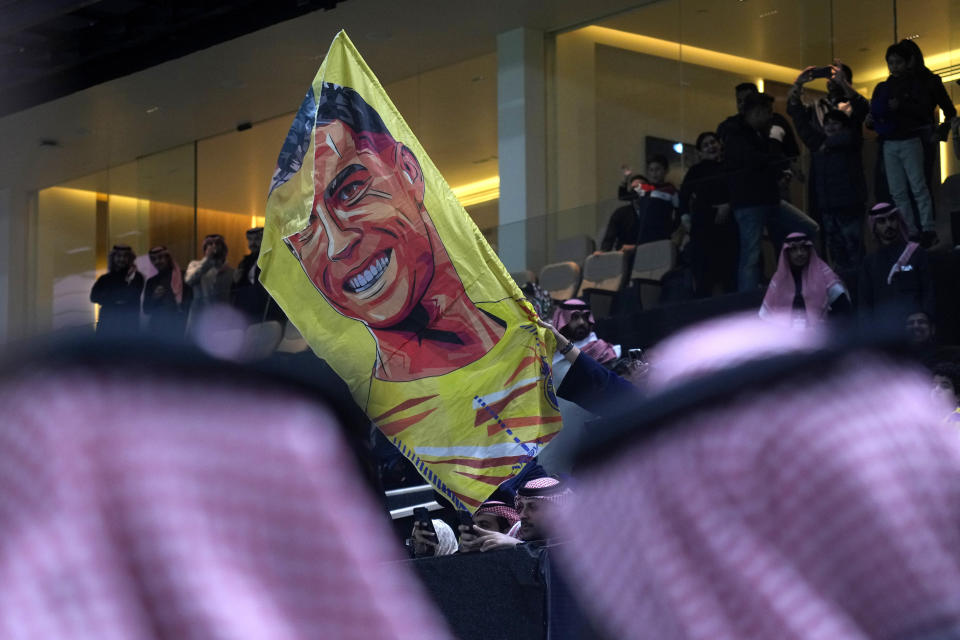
{"x":140,"y":204}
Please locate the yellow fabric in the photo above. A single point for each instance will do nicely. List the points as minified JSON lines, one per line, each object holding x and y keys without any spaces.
{"x":424,"y":417}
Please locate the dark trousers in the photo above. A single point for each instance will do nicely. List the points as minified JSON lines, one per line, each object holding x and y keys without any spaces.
{"x":843,"y":235}
{"x":713,"y":253}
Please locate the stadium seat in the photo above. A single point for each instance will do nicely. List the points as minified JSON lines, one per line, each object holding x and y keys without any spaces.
{"x":604,"y":275}
{"x":560,"y":279}
{"x":292,"y":341}
{"x":651,"y":261}
{"x":523,"y":277}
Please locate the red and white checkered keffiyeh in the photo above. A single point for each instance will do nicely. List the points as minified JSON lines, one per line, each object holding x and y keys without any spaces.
{"x":499,"y":509}
{"x":546,"y":488}
{"x":149,"y":508}
{"x":822,"y":509}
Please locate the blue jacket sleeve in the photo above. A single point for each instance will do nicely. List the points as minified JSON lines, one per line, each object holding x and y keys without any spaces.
{"x":594,"y":387}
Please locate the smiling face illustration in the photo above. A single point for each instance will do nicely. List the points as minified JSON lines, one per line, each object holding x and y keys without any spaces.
{"x":366,"y":247}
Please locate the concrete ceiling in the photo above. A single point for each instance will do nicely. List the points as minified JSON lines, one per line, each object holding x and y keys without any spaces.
{"x":437,"y":59}
{"x":260,"y":76}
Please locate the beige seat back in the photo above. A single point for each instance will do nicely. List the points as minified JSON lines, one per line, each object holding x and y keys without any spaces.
{"x":604,"y":272}
{"x":653,"y":259}
{"x":560,"y":279}
{"x":293,"y":341}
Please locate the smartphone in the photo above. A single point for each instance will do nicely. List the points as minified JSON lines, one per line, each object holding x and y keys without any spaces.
{"x":636,"y":355}
{"x":822,"y":72}
{"x":422,"y":516}
{"x":466,"y":519}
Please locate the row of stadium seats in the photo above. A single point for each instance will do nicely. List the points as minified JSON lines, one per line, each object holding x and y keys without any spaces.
{"x":604,"y":276}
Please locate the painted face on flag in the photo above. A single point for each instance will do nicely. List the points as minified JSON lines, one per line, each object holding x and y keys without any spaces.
{"x":366,"y":248}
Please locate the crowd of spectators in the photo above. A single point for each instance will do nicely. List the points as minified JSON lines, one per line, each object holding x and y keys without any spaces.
{"x":740,"y":185}
{"x":739,"y":188}
{"x":167,"y":301}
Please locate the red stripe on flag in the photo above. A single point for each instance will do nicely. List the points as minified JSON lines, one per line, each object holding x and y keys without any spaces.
{"x":469,"y":501}
{"x":486,"y":413}
{"x":494,"y":480}
{"x":544,"y":439}
{"x":481,"y":463}
{"x":395,"y":427}
{"x":525,"y":421}
{"x":523,"y":365}
{"x":406,"y":404}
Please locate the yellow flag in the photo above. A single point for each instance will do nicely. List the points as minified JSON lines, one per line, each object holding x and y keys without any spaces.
{"x":374,"y":260}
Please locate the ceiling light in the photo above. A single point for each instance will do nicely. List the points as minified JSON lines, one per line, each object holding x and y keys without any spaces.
{"x":479,"y":191}
{"x":153,"y":109}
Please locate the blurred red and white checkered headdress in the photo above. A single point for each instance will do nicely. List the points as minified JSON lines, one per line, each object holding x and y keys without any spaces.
{"x":819,"y":504}
{"x":152,"y":506}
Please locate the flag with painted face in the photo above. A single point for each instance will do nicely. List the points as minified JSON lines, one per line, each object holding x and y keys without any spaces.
{"x":375,"y":261}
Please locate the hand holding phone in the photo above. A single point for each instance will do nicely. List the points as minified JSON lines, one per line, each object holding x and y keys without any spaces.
{"x":424,"y":534}
{"x":821,"y":72}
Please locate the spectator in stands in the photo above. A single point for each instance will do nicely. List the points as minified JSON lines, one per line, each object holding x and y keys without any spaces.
{"x":817,"y":501}
{"x":920,"y":330}
{"x":574,"y":320}
{"x":630,"y":188}
{"x":166,"y":298}
{"x":209,"y":277}
{"x":157,"y":493}
{"x":832,"y":128}
{"x":535,"y":503}
{"x":946,"y":384}
{"x":804,"y":291}
{"x":246,"y":293}
{"x":492,"y":515}
{"x":898,"y":272}
{"x":586,"y":382}
{"x":651,"y":217}
{"x":754,"y":161}
{"x":901,"y":111}
{"x":743,"y":91}
{"x":841,"y":96}
{"x":713,"y":233}
{"x":573,"y":325}
{"x":118,"y":293}
{"x":934,"y":95}
{"x":425,"y":543}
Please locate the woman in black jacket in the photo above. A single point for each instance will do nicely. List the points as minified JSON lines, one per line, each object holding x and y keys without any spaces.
{"x":714,"y":240}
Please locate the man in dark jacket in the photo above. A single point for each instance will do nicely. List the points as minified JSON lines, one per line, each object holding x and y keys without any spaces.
{"x":743,"y":90}
{"x":118,"y":293}
{"x":246,"y":292}
{"x":897,"y":274}
{"x":166,"y":297}
{"x":840,"y":96}
{"x":754,"y":163}
{"x":836,"y":180}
